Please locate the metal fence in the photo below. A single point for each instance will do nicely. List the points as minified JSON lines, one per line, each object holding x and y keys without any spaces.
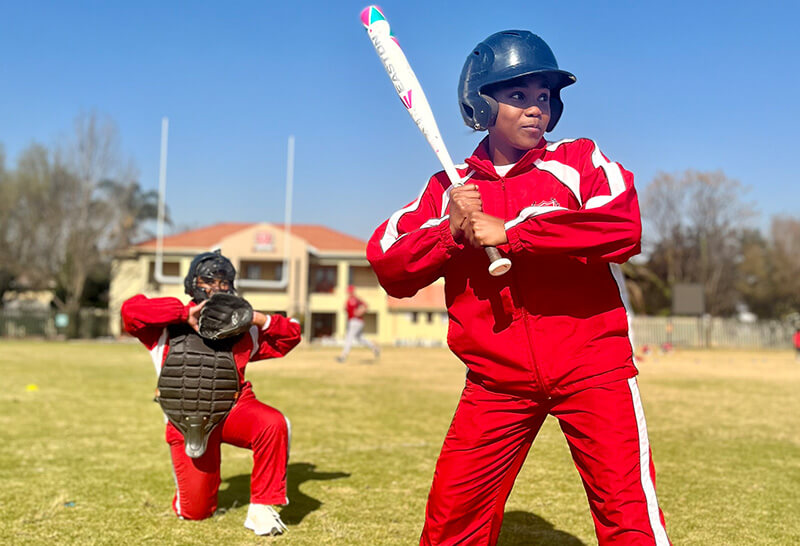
{"x":692,"y":332}
{"x":712,"y":332}
{"x":92,"y":323}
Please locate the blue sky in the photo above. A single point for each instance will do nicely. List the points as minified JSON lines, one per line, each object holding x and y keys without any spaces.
{"x":662,"y":86}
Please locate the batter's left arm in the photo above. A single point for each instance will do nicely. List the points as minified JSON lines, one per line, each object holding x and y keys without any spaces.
{"x":606,"y":228}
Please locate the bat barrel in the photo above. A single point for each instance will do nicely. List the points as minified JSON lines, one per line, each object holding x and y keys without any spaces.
{"x":413,"y":97}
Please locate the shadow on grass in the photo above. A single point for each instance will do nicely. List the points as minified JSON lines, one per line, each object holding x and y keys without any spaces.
{"x":525,"y":528}
{"x":237,"y":492}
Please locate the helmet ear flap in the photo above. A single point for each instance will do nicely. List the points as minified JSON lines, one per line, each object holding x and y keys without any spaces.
{"x":491,"y":111}
{"x":481,"y":111}
{"x":556,"y":109}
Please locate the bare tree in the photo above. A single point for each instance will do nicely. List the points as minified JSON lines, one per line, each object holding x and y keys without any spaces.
{"x":91,"y":155}
{"x":63,"y":215}
{"x":718,"y":217}
{"x":664,"y":218}
{"x":33,"y":219}
{"x":6,"y":203}
{"x":6,"y":200}
{"x":693,"y":226}
{"x":785,"y":235}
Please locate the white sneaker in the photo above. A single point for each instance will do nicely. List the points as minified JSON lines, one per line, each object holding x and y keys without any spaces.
{"x":262,"y":519}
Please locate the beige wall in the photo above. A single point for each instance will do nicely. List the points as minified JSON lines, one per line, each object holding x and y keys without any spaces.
{"x":130,"y":275}
{"x":403,"y":328}
{"x":244,"y":246}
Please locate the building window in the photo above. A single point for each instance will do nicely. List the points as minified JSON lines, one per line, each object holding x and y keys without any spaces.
{"x":253,"y":271}
{"x":362,"y":276}
{"x":261,"y":270}
{"x":271,"y":312}
{"x":170,"y":268}
{"x":322,"y":279}
{"x":322,"y":325}
{"x":370,"y":323}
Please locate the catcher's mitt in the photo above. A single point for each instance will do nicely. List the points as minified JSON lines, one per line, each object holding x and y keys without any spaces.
{"x":225,"y":315}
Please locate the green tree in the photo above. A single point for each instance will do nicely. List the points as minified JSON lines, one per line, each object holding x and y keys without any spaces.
{"x":132,"y":207}
{"x":785,"y":239}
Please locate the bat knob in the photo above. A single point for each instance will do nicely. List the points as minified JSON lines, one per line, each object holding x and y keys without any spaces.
{"x":499,"y":267}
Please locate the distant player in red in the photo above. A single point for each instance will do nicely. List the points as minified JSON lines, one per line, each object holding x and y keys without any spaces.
{"x":168,"y":328}
{"x":550,"y":337}
{"x":355,"y":308}
{"x":797,"y":344}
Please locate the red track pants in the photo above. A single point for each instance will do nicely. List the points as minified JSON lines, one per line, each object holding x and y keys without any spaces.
{"x":489,"y":439}
{"x":251,"y":425}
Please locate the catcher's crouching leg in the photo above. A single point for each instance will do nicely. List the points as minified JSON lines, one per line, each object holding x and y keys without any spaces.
{"x":266,"y":431}
{"x":197,"y":480}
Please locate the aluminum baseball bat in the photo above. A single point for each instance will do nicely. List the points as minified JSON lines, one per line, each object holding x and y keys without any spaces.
{"x":413,"y":98}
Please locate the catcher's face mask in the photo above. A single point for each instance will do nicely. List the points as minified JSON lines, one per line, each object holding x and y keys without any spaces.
{"x":211,"y":273}
{"x":212,"y":285}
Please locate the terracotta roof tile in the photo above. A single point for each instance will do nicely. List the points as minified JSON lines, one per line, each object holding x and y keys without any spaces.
{"x":328,"y":240}
{"x":201,"y":238}
{"x":320,"y":237}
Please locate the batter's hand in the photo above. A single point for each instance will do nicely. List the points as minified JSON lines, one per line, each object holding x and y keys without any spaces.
{"x":194,"y":315}
{"x":463,"y":201}
{"x":482,"y":229}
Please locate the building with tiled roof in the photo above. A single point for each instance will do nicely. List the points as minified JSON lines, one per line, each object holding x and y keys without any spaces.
{"x":301,"y":272}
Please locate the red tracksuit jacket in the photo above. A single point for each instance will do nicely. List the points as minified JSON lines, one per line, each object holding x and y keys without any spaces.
{"x":147,"y":319}
{"x":554,"y":324}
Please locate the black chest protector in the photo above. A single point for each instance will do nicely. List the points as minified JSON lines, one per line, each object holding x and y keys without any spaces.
{"x":198,"y":385}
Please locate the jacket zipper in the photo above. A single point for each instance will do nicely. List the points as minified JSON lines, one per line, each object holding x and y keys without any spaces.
{"x":525,"y":315}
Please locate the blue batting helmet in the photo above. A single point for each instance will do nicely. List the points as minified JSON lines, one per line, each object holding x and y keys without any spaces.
{"x":501,"y":57}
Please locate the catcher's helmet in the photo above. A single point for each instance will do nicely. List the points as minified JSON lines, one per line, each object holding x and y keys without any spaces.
{"x":212,"y":265}
{"x":501,"y":57}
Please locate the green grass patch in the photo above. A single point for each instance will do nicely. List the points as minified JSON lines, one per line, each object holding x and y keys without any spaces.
{"x":83,"y":458}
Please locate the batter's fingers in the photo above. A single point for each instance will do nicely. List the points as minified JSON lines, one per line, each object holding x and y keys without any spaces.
{"x":467,"y":200}
{"x":467,"y":189}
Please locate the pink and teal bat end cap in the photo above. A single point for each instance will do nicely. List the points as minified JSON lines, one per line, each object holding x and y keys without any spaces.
{"x":373,"y":14}
{"x":370,"y":14}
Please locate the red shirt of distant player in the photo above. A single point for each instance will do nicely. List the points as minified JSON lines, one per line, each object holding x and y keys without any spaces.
{"x":355,"y":307}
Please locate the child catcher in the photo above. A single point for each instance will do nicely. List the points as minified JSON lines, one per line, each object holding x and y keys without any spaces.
{"x":200,"y":351}
{"x":551,"y":337}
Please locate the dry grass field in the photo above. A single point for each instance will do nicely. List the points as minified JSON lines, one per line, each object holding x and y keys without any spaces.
{"x":83,"y":460}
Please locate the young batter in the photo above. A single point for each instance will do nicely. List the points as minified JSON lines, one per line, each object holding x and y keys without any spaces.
{"x":165,"y":326}
{"x":551,"y":337}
